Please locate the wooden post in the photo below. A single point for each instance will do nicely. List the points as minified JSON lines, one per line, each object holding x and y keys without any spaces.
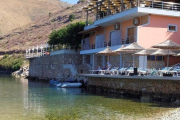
{"x":122,"y":5}
{"x":97,"y":11}
{"x":87,"y":18}
{"x":108,"y":7}
{"x":137,"y":3}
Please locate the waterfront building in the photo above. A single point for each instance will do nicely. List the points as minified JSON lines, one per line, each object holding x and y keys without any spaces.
{"x":121,"y":22}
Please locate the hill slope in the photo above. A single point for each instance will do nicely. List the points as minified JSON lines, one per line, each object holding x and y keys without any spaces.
{"x":17,"y":13}
{"x":37,"y":33}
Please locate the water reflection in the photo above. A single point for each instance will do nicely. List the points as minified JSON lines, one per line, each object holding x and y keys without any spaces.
{"x":23,"y":99}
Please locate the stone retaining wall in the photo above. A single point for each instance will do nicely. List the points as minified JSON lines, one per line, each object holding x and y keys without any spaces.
{"x":52,"y":66}
{"x":156,"y":88}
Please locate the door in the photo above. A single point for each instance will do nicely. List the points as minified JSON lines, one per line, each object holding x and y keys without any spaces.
{"x":99,"y":41}
{"x":115,"y":38}
{"x":130,"y":35}
{"x":86,"y":44}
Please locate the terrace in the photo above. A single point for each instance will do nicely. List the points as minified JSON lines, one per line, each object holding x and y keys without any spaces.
{"x":108,"y":11}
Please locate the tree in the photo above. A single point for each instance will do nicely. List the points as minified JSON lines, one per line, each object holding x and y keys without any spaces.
{"x":68,"y":35}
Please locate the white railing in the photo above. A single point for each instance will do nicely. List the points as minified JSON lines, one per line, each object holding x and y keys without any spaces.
{"x":112,"y":42}
{"x":148,"y":4}
{"x":33,"y":55}
{"x":164,"y":5}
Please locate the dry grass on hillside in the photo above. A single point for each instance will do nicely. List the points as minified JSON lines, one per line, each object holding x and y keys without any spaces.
{"x":37,"y":33}
{"x":17,"y":13}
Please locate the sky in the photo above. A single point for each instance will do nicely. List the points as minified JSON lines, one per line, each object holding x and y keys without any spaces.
{"x":71,"y":1}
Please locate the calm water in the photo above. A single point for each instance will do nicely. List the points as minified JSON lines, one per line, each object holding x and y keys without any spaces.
{"x":23,"y":100}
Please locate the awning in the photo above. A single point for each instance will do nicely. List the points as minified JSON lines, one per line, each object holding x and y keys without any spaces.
{"x":88,"y":31}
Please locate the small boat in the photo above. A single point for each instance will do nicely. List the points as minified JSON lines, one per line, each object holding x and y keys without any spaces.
{"x":53,"y":82}
{"x":61,"y":83}
{"x":69,"y":85}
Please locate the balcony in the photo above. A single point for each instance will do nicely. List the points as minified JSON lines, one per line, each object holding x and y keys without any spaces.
{"x":148,"y":4}
{"x":111,"y":43}
{"x":129,"y":11}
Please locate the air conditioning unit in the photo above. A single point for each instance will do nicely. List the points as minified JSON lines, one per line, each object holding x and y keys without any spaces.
{"x":136,"y":21}
{"x":116,"y":27}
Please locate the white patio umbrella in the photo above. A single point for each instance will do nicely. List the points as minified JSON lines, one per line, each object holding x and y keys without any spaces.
{"x":163,"y":52}
{"x":178,"y":54}
{"x":168,"y":44}
{"x":133,"y":47}
{"x":121,"y":51}
{"x":107,"y":52}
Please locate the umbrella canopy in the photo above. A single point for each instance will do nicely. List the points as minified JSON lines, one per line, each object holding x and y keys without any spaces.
{"x":143,"y":53}
{"x":107,"y":51}
{"x":133,"y":47}
{"x":178,"y":54}
{"x":168,"y":44}
{"x":120,"y":50}
{"x":163,"y":52}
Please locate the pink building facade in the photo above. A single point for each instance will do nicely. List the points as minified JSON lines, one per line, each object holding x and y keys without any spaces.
{"x":147,"y":24}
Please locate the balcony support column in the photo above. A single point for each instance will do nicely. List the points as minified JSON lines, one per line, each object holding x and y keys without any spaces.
{"x":96,"y":11}
{"x":137,"y":2}
{"x":83,"y":60}
{"x":122,"y":5}
{"x":108,"y":7}
{"x":87,"y":18}
{"x":130,"y":4}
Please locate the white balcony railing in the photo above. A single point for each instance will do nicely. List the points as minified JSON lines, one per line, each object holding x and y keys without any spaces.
{"x":147,"y":4}
{"x":112,"y":42}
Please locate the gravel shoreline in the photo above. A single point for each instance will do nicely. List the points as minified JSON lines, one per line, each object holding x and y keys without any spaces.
{"x":170,"y":115}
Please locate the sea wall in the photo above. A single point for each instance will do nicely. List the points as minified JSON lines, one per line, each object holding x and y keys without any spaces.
{"x":52,"y":66}
{"x":140,"y":86}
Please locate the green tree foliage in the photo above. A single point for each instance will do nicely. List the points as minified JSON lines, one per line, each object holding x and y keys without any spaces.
{"x":71,"y":17}
{"x":11,"y":62}
{"x":68,"y":35}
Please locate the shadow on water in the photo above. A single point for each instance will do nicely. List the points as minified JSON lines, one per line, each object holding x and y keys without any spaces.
{"x":83,"y":92}
{"x":128,"y":97}
{"x":79,"y":99}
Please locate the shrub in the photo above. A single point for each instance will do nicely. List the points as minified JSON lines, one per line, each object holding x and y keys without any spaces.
{"x":11,"y":62}
{"x":71,"y":17}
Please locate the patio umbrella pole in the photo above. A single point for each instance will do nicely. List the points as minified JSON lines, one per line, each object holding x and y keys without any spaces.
{"x":168,"y":59}
{"x":133,"y":60}
{"x":123,"y":59}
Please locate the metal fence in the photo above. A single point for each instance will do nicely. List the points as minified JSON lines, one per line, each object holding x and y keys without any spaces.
{"x":112,"y":42}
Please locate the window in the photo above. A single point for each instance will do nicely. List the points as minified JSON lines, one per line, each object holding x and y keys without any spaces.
{"x":172,"y":28}
{"x":151,"y":58}
{"x":159,"y":58}
{"x":155,"y":58}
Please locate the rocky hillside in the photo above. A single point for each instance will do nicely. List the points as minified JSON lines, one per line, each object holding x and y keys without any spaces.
{"x":17,"y":13}
{"x":38,"y":32}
